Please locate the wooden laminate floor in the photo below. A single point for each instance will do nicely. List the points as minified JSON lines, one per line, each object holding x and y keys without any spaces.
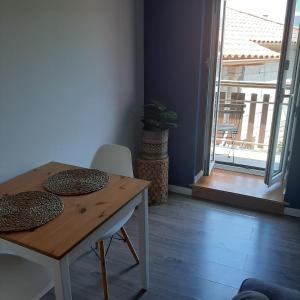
{"x":198,"y":250}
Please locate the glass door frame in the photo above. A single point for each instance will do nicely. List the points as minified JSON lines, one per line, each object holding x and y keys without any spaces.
{"x":215,"y":70}
{"x":271,"y":175}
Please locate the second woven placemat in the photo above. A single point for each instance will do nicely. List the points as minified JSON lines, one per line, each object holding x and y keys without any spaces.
{"x":76,"y":182}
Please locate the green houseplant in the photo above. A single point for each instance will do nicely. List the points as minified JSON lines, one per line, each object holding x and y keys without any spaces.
{"x":157,"y":120}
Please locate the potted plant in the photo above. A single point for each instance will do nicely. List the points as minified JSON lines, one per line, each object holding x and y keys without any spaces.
{"x":157,"y":120}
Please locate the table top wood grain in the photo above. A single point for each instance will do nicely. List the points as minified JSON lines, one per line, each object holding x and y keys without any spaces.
{"x":81,"y":216}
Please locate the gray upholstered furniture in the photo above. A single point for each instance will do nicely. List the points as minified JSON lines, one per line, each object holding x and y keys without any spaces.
{"x":254,"y":289}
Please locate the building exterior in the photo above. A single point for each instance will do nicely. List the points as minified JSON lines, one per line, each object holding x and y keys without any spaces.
{"x":252,"y":47}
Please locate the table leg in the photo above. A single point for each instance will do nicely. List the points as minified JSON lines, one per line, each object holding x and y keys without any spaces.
{"x":62,"y":282}
{"x":144,"y":239}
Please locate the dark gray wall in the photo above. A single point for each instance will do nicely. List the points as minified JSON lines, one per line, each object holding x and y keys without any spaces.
{"x":173,"y":62}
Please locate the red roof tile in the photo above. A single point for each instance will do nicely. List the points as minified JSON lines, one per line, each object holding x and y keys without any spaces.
{"x":246,"y":36}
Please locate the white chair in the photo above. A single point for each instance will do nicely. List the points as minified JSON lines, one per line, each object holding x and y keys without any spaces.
{"x":21,"y":279}
{"x":114,"y":159}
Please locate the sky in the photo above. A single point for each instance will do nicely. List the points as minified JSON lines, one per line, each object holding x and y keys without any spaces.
{"x":273,"y":9}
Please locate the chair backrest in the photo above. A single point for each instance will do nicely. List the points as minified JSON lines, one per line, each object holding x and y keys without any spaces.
{"x":231,"y":107}
{"x":231,"y":112}
{"x":113,"y":159}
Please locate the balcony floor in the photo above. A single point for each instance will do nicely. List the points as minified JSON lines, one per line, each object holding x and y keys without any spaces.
{"x":245,"y":157}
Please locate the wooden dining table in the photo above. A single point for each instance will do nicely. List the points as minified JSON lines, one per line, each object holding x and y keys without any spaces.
{"x":84,"y":219}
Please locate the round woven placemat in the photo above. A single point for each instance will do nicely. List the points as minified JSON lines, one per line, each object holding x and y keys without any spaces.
{"x":27,"y":210}
{"x":76,"y":182}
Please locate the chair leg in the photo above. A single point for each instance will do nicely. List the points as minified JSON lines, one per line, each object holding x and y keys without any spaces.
{"x":103,"y":268}
{"x":129,"y":244}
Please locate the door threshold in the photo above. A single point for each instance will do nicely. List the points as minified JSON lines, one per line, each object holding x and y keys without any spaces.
{"x":239,"y":169}
{"x":240,"y":189}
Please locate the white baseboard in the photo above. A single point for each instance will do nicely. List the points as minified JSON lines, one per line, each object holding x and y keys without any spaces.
{"x":293,"y":212}
{"x":180,"y":190}
{"x":198,"y":176}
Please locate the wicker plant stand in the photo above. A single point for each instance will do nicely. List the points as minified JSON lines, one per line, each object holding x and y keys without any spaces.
{"x":156,"y":171}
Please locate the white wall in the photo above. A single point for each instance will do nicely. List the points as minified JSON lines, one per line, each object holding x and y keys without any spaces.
{"x":70,"y":80}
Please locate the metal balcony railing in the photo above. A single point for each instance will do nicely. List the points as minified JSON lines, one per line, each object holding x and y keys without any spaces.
{"x":253,"y":125}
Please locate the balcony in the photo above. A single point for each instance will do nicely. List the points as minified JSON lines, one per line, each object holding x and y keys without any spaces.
{"x":246,"y":108}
